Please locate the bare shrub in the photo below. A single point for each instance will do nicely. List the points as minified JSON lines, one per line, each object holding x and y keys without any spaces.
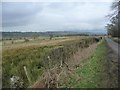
{"x":26,"y":40}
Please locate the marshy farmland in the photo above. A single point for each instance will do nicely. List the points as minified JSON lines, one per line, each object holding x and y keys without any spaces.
{"x":32,"y":61}
{"x":64,"y":44}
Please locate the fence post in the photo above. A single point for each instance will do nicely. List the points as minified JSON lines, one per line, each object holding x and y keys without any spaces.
{"x":25,"y":69}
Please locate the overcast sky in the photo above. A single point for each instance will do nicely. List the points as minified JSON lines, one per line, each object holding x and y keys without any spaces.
{"x":55,"y":16}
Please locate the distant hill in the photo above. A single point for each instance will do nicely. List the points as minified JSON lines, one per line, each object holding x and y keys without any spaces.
{"x":6,"y":35}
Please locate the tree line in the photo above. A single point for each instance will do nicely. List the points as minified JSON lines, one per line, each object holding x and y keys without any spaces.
{"x":113,"y":28}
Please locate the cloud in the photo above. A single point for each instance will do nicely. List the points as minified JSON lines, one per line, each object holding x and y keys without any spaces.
{"x":57,"y":0}
{"x":18,"y":13}
{"x":54,"y":16}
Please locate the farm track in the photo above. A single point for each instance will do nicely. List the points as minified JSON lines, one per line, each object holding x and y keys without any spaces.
{"x":114,"y":49}
{"x":113,"y":63}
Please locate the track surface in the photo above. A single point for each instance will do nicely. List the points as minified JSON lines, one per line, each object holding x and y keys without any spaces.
{"x":115,"y":48}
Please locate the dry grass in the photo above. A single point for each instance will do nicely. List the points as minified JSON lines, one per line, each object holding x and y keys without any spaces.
{"x":82,"y":54}
{"x":40,"y":43}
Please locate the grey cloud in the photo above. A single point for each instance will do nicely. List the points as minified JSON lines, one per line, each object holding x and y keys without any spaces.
{"x":54,"y":16}
{"x":19,"y":13}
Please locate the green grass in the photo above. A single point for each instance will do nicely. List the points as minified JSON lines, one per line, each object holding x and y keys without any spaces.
{"x":91,"y":70}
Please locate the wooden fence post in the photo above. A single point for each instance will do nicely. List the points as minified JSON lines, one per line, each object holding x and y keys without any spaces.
{"x":25,"y":69}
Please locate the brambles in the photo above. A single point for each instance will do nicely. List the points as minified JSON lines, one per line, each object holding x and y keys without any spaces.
{"x":64,"y":52}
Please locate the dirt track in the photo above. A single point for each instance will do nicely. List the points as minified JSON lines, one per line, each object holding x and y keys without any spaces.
{"x":114,"y":49}
{"x":112,"y":64}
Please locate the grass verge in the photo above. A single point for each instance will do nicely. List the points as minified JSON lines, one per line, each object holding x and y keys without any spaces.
{"x":92,"y":72}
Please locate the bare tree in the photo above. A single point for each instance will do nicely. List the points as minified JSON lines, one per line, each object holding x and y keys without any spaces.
{"x":26,"y":40}
{"x":51,"y":36}
{"x":114,"y":25}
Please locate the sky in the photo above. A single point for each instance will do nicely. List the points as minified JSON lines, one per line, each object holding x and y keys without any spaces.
{"x":55,"y":16}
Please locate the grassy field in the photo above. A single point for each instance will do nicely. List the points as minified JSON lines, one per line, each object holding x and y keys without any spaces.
{"x":13,"y":63}
{"x":45,"y":41}
{"x":34,"y":57}
{"x":31,"y":55}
